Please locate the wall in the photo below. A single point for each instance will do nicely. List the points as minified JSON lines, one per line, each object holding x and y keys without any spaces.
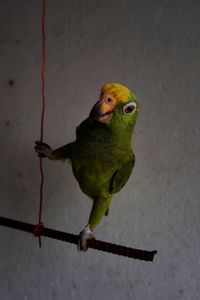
{"x":152,"y":47}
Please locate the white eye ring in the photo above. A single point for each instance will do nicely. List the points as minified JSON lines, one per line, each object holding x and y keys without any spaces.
{"x":129,"y":108}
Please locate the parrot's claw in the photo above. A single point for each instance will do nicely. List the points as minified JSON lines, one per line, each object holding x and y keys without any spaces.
{"x":43,"y":150}
{"x":85,"y":235}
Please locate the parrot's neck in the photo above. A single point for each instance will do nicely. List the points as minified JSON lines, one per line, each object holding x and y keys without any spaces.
{"x":122,"y":135}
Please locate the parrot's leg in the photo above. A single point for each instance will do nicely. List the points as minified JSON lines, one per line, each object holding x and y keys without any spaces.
{"x":62,"y":153}
{"x":99,"y":209}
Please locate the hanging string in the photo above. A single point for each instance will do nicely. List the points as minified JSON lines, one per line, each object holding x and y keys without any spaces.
{"x":40,"y":224}
{"x":43,"y":68}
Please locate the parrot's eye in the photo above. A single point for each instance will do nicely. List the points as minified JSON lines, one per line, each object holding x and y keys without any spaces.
{"x":129,"y":108}
{"x":108,"y":100}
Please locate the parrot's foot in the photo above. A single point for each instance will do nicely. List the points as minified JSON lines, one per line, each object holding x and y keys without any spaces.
{"x":43,"y":150}
{"x":85,"y":235}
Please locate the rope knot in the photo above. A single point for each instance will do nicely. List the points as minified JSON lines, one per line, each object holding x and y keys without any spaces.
{"x":37,"y":230}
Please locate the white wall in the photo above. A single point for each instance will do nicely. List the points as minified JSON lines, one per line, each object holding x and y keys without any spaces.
{"x":152,"y":47}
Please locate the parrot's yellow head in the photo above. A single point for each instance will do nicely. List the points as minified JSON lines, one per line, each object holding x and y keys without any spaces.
{"x":115,"y":99}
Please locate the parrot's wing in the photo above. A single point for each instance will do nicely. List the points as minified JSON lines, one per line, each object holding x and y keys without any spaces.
{"x":64,"y":152}
{"x":121,"y":176}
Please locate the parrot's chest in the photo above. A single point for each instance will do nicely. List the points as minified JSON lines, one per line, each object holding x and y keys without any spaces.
{"x":95,"y":159}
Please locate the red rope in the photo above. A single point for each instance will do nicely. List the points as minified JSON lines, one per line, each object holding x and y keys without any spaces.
{"x":40,"y":224}
{"x":43,"y":67}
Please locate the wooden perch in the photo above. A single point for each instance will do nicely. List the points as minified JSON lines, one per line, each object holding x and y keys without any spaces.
{"x":71,"y":238}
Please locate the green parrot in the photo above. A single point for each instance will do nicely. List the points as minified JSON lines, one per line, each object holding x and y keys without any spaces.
{"x":101,"y":156}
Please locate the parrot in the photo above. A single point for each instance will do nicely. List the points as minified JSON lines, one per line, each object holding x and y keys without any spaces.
{"x":101,"y":156}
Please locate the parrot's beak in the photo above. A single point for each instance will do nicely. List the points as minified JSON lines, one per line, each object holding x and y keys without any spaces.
{"x":101,"y":112}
